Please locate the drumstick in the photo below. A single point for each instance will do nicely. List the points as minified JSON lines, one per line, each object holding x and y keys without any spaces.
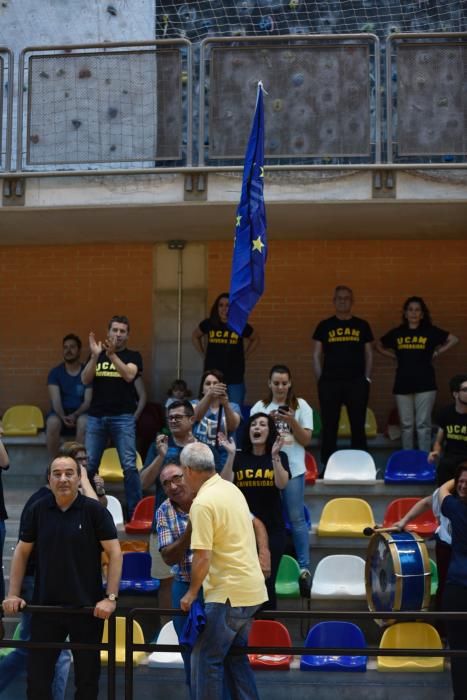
{"x":368,"y":531}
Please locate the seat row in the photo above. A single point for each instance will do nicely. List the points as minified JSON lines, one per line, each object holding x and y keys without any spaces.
{"x":270,"y":633}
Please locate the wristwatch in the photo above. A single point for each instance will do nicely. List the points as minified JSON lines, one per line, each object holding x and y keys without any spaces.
{"x":112,"y":597}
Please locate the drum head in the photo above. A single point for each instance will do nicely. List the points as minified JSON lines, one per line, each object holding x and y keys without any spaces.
{"x":397,"y":572}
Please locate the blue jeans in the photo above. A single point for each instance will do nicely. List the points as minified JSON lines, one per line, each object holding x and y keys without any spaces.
{"x":294,"y":498}
{"x":16,"y":661}
{"x":122,"y":431}
{"x":226,"y":626}
{"x":236,"y":393}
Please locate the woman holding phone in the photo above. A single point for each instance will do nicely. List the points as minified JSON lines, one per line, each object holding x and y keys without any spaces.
{"x":294,"y":423}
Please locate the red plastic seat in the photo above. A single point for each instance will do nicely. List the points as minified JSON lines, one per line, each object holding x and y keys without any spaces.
{"x":311,"y":473}
{"x":424,"y":525}
{"x":141,"y":520}
{"x":269,"y":633}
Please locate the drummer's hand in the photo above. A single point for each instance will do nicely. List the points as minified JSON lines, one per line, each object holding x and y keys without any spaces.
{"x":399,"y":525}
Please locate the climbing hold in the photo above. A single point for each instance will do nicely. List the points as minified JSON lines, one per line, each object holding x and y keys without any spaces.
{"x":112,"y":112}
{"x":84,"y":73}
{"x":76,"y":123}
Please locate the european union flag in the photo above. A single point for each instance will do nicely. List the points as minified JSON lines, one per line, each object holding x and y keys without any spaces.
{"x":250,"y":246}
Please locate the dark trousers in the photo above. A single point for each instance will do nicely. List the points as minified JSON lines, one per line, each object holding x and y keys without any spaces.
{"x":455,"y":599}
{"x":447,"y":468}
{"x":277,"y":543}
{"x":333,"y":393}
{"x":41,"y":662}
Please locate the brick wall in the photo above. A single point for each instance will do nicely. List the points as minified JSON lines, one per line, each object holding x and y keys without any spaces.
{"x":48,"y":291}
{"x":300,"y":279}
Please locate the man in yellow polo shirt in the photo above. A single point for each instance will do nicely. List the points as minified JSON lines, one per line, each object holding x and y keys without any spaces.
{"x":225,"y":563}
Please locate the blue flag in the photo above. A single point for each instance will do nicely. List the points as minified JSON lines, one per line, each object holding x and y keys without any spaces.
{"x":250,"y":246}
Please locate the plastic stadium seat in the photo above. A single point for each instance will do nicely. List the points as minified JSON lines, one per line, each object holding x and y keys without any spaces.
{"x":345,"y":517}
{"x":5,"y":651}
{"x":141,"y":520}
{"x":425,"y":524}
{"x":311,"y":473}
{"x":339,"y":576}
{"x":269,"y":633}
{"x":306,"y":514}
{"x":410,"y":635}
{"x":334,"y":634}
{"x":344,"y":430}
{"x":136,"y":574}
{"x":110,"y":468}
{"x":317,"y":425}
{"x":22,"y":420}
{"x":115,"y":509}
{"x":287,"y":578}
{"x":138,"y":638}
{"x":371,"y":426}
{"x":134,"y":546}
{"x":166,"y":659}
{"x":351,"y":465}
{"x":434,"y":577}
{"x":410,"y":466}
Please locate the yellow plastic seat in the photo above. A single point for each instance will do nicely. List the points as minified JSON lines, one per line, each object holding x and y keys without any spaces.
{"x":22,"y":420}
{"x":411,"y":635}
{"x":110,"y":468}
{"x":138,"y":638}
{"x":344,"y":431}
{"x":345,"y":517}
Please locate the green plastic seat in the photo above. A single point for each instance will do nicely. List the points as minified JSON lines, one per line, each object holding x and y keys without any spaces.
{"x":434,"y":577}
{"x":5,"y":651}
{"x":287,"y":578}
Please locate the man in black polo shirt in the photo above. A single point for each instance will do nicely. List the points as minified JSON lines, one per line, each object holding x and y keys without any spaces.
{"x":450,"y":445}
{"x":112,"y":369}
{"x":68,"y":532}
{"x":344,"y":377}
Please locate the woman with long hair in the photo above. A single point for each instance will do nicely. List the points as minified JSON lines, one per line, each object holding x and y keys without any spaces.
{"x":214,"y":413}
{"x":224,"y":349}
{"x":413,"y":346}
{"x":261,"y":471}
{"x":293,"y":418}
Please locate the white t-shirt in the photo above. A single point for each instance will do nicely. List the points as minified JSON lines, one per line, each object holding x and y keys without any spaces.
{"x":444,"y":529}
{"x":294,"y":451}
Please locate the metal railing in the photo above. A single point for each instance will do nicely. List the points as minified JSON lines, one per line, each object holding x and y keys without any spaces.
{"x":334,"y":615}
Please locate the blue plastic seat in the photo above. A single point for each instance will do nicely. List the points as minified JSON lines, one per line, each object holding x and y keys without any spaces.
{"x":334,"y":634}
{"x":136,"y":574}
{"x":306,"y":513}
{"x":409,"y":466}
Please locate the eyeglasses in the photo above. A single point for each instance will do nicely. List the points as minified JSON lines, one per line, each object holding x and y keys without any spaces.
{"x":177,"y":479}
{"x":463,"y":388}
{"x":177,"y":417}
{"x":81,"y":459}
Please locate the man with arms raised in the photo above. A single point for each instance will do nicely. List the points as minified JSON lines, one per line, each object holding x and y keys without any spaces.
{"x":112,"y":369}
{"x":67,"y":532}
{"x":225,"y":563}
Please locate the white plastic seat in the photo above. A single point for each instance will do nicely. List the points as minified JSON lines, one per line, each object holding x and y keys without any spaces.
{"x":350,"y":465}
{"x":339,"y":576}
{"x":115,"y":509}
{"x":166,"y":659}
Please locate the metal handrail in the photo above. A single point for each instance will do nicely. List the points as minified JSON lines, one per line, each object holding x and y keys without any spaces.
{"x":106,"y":45}
{"x":294,"y":650}
{"x":303,"y":39}
{"x":9,"y":109}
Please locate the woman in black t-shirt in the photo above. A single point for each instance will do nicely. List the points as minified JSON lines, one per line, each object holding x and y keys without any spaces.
{"x":414,"y":344}
{"x":261,"y":471}
{"x":223,"y":349}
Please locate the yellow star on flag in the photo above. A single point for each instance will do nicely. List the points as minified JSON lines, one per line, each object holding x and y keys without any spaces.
{"x":261,"y":173}
{"x":258,"y":244}
{"x":239,"y":218}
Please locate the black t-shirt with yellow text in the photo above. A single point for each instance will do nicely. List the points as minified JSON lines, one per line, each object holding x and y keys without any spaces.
{"x":343,"y":346}
{"x":111,"y":394}
{"x":414,"y":350}
{"x":224,"y":350}
{"x":254,"y":476}
{"x":454,"y":427}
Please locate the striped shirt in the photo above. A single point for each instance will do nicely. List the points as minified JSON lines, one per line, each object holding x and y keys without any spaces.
{"x":171,"y":523}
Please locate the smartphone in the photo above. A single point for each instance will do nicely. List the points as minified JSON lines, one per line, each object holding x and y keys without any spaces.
{"x":283,"y":409}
